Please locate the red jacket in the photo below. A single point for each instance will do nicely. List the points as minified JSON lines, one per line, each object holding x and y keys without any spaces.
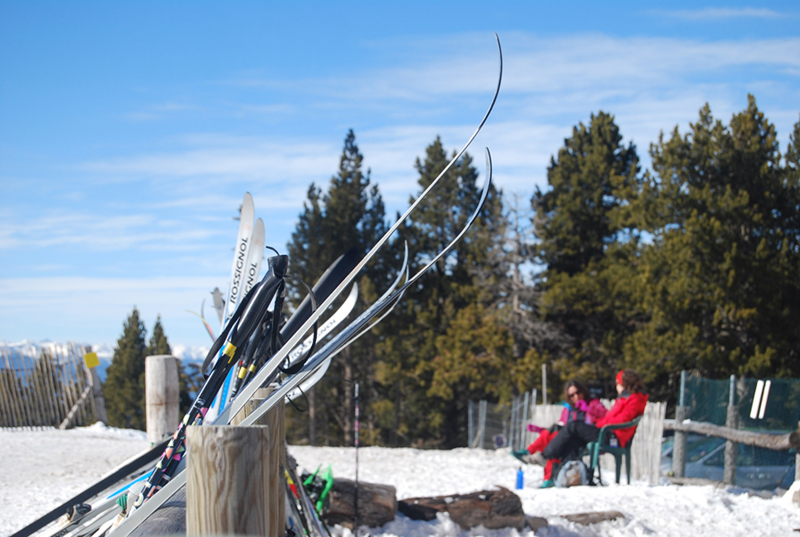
{"x":624,"y":409}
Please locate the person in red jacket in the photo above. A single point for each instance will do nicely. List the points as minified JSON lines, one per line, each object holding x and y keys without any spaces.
{"x":576,"y":434}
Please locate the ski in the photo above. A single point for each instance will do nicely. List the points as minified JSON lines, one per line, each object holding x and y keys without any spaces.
{"x":71,"y":519}
{"x":240,"y":256}
{"x":252,"y":268}
{"x":219,"y":303}
{"x":249,"y":315}
{"x":328,"y":326}
{"x":238,"y":282}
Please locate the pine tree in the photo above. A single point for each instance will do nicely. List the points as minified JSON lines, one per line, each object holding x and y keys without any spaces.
{"x":589,"y":246}
{"x":124,"y":386}
{"x":721,"y":275}
{"x":158,"y":341}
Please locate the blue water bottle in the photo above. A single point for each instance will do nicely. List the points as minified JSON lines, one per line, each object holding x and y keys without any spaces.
{"x":520,"y":479}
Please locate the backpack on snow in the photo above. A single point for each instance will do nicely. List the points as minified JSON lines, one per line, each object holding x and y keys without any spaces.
{"x":571,"y":474}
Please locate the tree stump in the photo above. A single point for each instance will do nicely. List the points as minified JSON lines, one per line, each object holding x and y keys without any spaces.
{"x":492,"y":509}
{"x":377,"y":504}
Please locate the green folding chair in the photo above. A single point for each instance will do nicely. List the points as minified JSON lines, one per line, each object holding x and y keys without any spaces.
{"x":601,"y":446}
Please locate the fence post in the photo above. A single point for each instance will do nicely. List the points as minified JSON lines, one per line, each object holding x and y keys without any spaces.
{"x":162,"y":396}
{"x":524,"y":429}
{"x":91,"y":360}
{"x":797,"y":461}
{"x":512,"y":433}
{"x":470,"y":426}
{"x":544,"y":384}
{"x":679,"y":442}
{"x":482,"y":420}
{"x":731,"y":448}
{"x":227,"y":480}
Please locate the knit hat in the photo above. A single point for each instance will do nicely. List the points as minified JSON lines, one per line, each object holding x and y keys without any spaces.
{"x":619,"y":376}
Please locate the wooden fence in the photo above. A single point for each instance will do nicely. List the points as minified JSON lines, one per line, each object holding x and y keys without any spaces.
{"x":45,"y":387}
{"x":646,"y":450}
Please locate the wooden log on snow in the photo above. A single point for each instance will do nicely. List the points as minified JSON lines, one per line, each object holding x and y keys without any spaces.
{"x":587,"y":519}
{"x":777,"y":442}
{"x":377,"y":504}
{"x":492,"y":509}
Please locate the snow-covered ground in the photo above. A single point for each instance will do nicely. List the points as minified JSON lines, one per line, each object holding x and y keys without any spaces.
{"x":40,"y":469}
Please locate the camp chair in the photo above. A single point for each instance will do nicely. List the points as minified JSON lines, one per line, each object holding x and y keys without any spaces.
{"x":602,"y":446}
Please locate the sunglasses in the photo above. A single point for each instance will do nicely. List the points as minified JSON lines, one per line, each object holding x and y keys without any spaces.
{"x":572,"y":394}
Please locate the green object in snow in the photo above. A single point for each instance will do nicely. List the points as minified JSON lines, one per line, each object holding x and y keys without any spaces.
{"x":327,"y":477}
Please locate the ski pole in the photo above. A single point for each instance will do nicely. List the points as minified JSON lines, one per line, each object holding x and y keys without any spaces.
{"x":355,"y":510}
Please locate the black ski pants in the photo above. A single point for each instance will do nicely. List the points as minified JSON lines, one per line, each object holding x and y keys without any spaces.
{"x":570,"y":440}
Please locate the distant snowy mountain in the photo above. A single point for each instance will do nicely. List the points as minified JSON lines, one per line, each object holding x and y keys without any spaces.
{"x":105,"y":352}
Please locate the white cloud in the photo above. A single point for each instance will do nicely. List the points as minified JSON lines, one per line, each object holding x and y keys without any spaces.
{"x":91,"y":309}
{"x":720,"y":13}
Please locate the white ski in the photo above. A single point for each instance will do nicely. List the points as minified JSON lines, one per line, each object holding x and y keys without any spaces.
{"x":252,"y":269}
{"x":238,"y":269}
{"x":236,"y":288}
{"x":254,"y":257}
{"x":334,"y":320}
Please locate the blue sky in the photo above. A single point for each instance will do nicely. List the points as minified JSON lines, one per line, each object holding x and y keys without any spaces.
{"x":129,"y":131}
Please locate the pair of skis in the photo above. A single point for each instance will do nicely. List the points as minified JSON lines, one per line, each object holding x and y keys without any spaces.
{"x":248,"y":253}
{"x":336,"y":343}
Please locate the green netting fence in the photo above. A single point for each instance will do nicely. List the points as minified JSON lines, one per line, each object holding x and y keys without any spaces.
{"x":764,"y":404}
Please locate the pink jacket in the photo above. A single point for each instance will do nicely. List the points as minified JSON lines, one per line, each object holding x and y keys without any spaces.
{"x":589,"y":413}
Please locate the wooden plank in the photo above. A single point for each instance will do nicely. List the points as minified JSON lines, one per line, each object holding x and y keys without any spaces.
{"x":777,"y":442}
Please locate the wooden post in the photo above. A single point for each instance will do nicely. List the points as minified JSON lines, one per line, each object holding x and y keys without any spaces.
{"x":679,"y":442}
{"x":162,"y":396}
{"x":275,"y":420}
{"x":544,"y":384}
{"x":470,"y":427}
{"x":227,"y":481}
{"x":91,"y":360}
{"x":797,"y":460}
{"x":731,"y":448}
{"x":679,"y":445}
